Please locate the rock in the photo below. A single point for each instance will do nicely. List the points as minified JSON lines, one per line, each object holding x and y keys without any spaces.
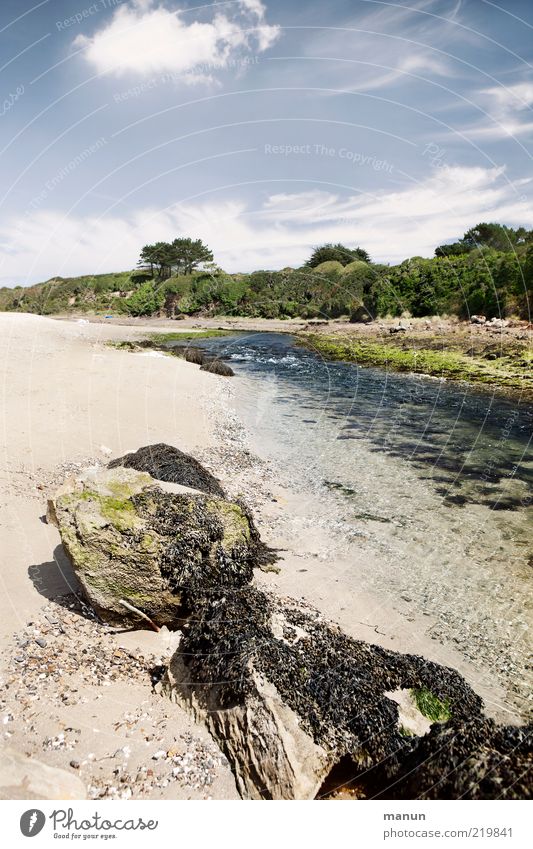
{"x":194,"y":355}
{"x":477,"y":319}
{"x":166,"y":463}
{"x":296,"y":705}
{"x":217,"y":367}
{"x":473,"y":759}
{"x":128,"y":539}
{"x":398,"y":328}
{"x":25,"y":778}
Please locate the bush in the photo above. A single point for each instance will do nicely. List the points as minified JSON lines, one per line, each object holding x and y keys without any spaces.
{"x":146,"y":300}
{"x":331,"y":266}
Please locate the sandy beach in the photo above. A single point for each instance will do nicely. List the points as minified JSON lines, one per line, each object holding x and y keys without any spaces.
{"x":68,"y":401}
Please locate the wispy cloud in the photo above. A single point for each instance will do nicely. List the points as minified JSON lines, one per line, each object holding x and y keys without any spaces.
{"x":510,"y":108}
{"x":144,"y":38}
{"x":390,"y":225}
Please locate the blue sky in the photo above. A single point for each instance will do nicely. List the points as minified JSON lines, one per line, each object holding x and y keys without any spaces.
{"x":264,"y":128}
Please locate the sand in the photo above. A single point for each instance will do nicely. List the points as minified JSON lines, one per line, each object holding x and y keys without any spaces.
{"x":68,"y":399}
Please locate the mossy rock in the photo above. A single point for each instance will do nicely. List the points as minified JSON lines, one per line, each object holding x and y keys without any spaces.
{"x":129,"y":540}
{"x":217,"y":367}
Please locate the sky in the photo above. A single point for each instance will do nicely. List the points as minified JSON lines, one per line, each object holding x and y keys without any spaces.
{"x":263,"y":127}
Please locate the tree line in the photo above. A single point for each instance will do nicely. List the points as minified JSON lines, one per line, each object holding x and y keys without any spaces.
{"x":489,"y":270}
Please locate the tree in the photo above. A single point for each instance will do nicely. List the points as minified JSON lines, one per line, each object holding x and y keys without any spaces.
{"x":187,"y":255}
{"x":453,"y":249}
{"x":338,"y":253}
{"x":499,"y":237}
{"x":181,"y":256}
{"x":495,"y":236}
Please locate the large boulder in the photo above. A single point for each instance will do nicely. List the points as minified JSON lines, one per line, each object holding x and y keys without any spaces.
{"x":300,"y":709}
{"x":166,"y":463}
{"x":129,"y":540}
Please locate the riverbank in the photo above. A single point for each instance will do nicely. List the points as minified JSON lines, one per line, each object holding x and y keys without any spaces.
{"x":485,"y":355}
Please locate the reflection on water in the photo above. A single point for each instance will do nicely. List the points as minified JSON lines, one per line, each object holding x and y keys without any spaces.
{"x":433,"y":477}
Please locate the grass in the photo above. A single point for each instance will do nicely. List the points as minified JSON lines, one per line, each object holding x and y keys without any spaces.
{"x":184,"y":336}
{"x":155,"y":340}
{"x":430,"y":706}
{"x":509,"y":370}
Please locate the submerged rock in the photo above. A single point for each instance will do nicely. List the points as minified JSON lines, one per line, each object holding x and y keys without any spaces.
{"x":298,"y":707}
{"x":127,"y":539}
{"x":217,"y":367}
{"x":194,"y":355}
{"x":166,"y":463}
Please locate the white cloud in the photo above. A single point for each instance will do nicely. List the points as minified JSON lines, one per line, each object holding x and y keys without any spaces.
{"x":510,"y":108}
{"x":390,"y":225}
{"x":144,"y":38}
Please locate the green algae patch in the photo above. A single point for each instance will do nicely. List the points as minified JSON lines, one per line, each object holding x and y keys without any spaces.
{"x":235,"y":523}
{"x":428,"y":356}
{"x":430,"y":705}
{"x":184,"y":336}
{"x":121,"y":513}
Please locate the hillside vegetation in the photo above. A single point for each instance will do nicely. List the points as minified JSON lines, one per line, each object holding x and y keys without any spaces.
{"x":490,"y":273}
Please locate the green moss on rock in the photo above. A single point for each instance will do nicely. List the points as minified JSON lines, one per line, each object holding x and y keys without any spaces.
{"x":430,"y":705}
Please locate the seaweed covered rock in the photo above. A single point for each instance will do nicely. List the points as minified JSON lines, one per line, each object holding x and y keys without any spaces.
{"x":217,"y":367}
{"x":128,"y":540}
{"x":473,"y":759}
{"x":166,"y":463}
{"x":299,"y":707}
{"x":194,"y":355}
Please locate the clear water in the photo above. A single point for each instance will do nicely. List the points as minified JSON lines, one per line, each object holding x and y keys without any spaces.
{"x":431,"y":478}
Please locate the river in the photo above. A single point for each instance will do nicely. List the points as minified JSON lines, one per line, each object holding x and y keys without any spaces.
{"x":431,"y":478}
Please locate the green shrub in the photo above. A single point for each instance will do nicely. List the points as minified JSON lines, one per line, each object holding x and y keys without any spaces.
{"x":146,"y":300}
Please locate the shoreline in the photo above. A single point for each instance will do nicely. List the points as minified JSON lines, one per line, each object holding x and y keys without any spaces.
{"x":71,"y":400}
{"x":485,"y":357}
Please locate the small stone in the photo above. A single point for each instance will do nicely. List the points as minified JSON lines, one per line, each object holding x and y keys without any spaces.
{"x":75,"y":764}
{"x":40,"y":642}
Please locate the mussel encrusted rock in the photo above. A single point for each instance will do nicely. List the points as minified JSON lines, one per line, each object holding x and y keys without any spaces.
{"x":299,"y":708}
{"x":128,"y":539}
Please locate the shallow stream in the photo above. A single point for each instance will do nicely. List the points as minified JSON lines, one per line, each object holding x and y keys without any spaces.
{"x":432,"y":478}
